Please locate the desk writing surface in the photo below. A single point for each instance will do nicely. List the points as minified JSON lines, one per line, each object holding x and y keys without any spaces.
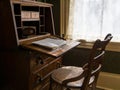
{"x":57,"y":52}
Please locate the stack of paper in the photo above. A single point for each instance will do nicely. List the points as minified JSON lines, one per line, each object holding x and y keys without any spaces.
{"x":50,"y":43}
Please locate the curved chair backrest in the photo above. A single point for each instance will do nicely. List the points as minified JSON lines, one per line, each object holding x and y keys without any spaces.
{"x":93,"y":67}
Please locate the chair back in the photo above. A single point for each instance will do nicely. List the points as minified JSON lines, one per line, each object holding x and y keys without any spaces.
{"x":93,"y":67}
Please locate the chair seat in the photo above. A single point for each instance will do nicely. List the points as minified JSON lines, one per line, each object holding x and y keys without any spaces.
{"x":68,"y":72}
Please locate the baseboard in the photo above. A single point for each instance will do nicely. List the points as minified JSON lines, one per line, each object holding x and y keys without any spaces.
{"x":109,"y":81}
{"x":104,"y":88}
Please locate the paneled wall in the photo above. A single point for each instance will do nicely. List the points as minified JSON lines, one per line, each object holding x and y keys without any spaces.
{"x":78,"y":56}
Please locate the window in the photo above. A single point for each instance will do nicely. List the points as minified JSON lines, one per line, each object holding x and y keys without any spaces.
{"x":92,"y":19}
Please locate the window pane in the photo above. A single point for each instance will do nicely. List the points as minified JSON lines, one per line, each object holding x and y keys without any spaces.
{"x":87,"y":19}
{"x":111,"y":19}
{"x":92,"y":19}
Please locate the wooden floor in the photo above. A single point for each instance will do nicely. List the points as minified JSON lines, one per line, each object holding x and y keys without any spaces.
{"x":89,"y":89}
{"x":76,"y":89}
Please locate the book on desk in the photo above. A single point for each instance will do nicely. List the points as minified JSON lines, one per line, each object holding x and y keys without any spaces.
{"x":50,"y":43}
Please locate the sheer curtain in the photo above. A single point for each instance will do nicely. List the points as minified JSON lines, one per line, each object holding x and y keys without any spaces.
{"x":64,"y":13}
{"x":92,"y":19}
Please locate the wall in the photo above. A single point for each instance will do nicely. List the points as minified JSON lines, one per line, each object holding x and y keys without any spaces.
{"x":78,"y":56}
{"x":56,"y":14}
{"x":109,"y":81}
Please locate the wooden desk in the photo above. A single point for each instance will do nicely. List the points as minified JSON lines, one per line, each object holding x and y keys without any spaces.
{"x":57,"y":52}
{"x":43,"y":62}
{"x":29,"y":67}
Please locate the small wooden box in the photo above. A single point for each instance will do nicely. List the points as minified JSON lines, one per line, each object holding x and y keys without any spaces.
{"x":25,"y":14}
{"x":35,"y":15}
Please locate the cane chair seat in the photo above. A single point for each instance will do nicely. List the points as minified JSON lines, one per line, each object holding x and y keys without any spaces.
{"x":68,"y":72}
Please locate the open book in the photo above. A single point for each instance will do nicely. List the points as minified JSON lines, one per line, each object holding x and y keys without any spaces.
{"x":50,"y":43}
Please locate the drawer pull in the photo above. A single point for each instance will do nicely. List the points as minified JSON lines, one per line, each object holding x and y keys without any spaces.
{"x":39,"y":60}
{"x":58,"y":64}
{"x":38,"y":78}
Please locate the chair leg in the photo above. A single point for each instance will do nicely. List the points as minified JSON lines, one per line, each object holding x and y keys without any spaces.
{"x":93,"y":86}
{"x":61,"y":87}
{"x":50,"y":87}
{"x":68,"y":89}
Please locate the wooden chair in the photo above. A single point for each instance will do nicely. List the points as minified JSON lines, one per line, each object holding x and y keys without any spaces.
{"x":85,"y":77}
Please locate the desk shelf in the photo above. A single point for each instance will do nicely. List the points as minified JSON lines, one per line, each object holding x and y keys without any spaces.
{"x":36,"y":14}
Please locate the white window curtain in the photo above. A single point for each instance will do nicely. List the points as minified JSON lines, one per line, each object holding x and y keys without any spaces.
{"x":92,"y":19}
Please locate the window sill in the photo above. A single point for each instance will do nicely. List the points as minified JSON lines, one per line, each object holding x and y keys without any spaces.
{"x":110,"y":47}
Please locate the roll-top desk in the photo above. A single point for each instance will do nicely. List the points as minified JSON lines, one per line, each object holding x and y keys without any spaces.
{"x":24,"y":66}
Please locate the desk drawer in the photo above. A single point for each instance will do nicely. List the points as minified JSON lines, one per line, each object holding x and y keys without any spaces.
{"x":50,"y":67}
{"x":39,"y":76}
{"x":38,"y":60}
{"x":44,"y":85}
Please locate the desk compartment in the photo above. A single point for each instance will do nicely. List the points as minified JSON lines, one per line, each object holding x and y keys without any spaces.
{"x":50,"y":67}
{"x":38,"y":76}
{"x":44,"y":85}
{"x":38,"y":60}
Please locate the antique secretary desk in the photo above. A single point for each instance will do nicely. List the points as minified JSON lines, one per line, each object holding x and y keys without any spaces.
{"x":24,"y":66}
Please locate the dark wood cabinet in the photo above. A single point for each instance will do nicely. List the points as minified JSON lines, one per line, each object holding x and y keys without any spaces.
{"x":28,"y":70}
{"x":22,"y":68}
